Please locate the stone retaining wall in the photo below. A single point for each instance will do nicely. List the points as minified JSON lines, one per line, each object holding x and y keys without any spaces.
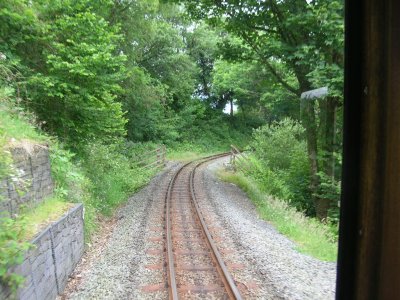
{"x":32,"y":181}
{"x":47,"y":266}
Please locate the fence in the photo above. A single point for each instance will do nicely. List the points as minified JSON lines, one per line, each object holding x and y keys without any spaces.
{"x":240,"y":161}
{"x":153,"y":159}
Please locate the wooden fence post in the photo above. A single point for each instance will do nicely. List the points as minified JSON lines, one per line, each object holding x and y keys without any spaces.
{"x":153,"y":159}
{"x":232,"y":160}
{"x":164,"y":154}
{"x":158,"y":156}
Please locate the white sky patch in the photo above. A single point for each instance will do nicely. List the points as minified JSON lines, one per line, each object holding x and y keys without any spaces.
{"x":227,"y":108}
{"x":192,"y":27}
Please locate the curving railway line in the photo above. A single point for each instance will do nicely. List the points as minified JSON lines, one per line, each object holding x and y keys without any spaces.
{"x":195,"y":268}
{"x":133,"y":262}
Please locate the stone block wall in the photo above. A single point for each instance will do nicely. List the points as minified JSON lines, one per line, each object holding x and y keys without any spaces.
{"x":46,"y":267}
{"x":68,"y":244}
{"x":32,"y":181}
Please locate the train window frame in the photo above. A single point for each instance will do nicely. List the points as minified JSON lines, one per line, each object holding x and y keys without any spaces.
{"x":369,"y":235}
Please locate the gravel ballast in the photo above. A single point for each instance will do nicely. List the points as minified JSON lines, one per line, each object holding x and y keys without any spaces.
{"x":121,"y":273}
{"x":270,"y":267}
{"x":271,"y":255}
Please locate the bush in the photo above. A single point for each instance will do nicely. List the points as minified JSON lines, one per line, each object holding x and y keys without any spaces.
{"x":275,"y":144}
{"x":101,"y":176}
{"x":281,"y":164}
{"x":112,"y":174}
{"x":71,"y":184}
{"x":12,"y":249}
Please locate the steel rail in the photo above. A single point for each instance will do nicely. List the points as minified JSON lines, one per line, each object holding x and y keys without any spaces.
{"x":227,"y":279}
{"x":171,"y":274}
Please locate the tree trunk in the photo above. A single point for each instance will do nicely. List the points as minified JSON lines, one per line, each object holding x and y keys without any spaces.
{"x":329,"y":137}
{"x":309,"y":123}
{"x":327,"y":161}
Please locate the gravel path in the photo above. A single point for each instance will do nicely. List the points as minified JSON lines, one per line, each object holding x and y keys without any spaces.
{"x":272,"y":256}
{"x":270,"y":267}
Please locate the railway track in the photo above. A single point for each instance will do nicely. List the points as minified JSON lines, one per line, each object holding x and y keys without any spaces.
{"x":195,"y":268}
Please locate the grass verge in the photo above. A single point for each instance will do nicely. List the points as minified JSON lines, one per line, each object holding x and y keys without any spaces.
{"x":310,"y":236}
{"x":41,"y":216}
{"x":186,"y":152}
{"x":186,"y":156}
{"x":15,"y":127}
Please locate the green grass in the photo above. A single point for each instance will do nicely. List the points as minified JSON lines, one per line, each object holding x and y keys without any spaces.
{"x":186,"y":152}
{"x":40,"y":217}
{"x":14,"y":130}
{"x":310,"y":236}
{"x":12,"y":126}
{"x":186,"y":156}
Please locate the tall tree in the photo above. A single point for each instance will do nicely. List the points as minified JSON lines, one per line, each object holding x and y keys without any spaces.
{"x":77,"y":91}
{"x":67,"y":53}
{"x":307,"y":36}
{"x":202,"y":44}
{"x":161,"y":74}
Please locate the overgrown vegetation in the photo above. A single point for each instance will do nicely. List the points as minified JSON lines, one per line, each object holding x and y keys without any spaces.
{"x":281,"y":165}
{"x":101,"y":176}
{"x":277,"y":163}
{"x":311,"y":237}
{"x":12,"y":248}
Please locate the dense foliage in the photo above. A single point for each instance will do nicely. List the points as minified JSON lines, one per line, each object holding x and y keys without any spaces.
{"x":12,"y":251}
{"x":99,"y":72}
{"x":281,"y":170}
{"x":76,"y":90}
{"x":299,"y":46}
